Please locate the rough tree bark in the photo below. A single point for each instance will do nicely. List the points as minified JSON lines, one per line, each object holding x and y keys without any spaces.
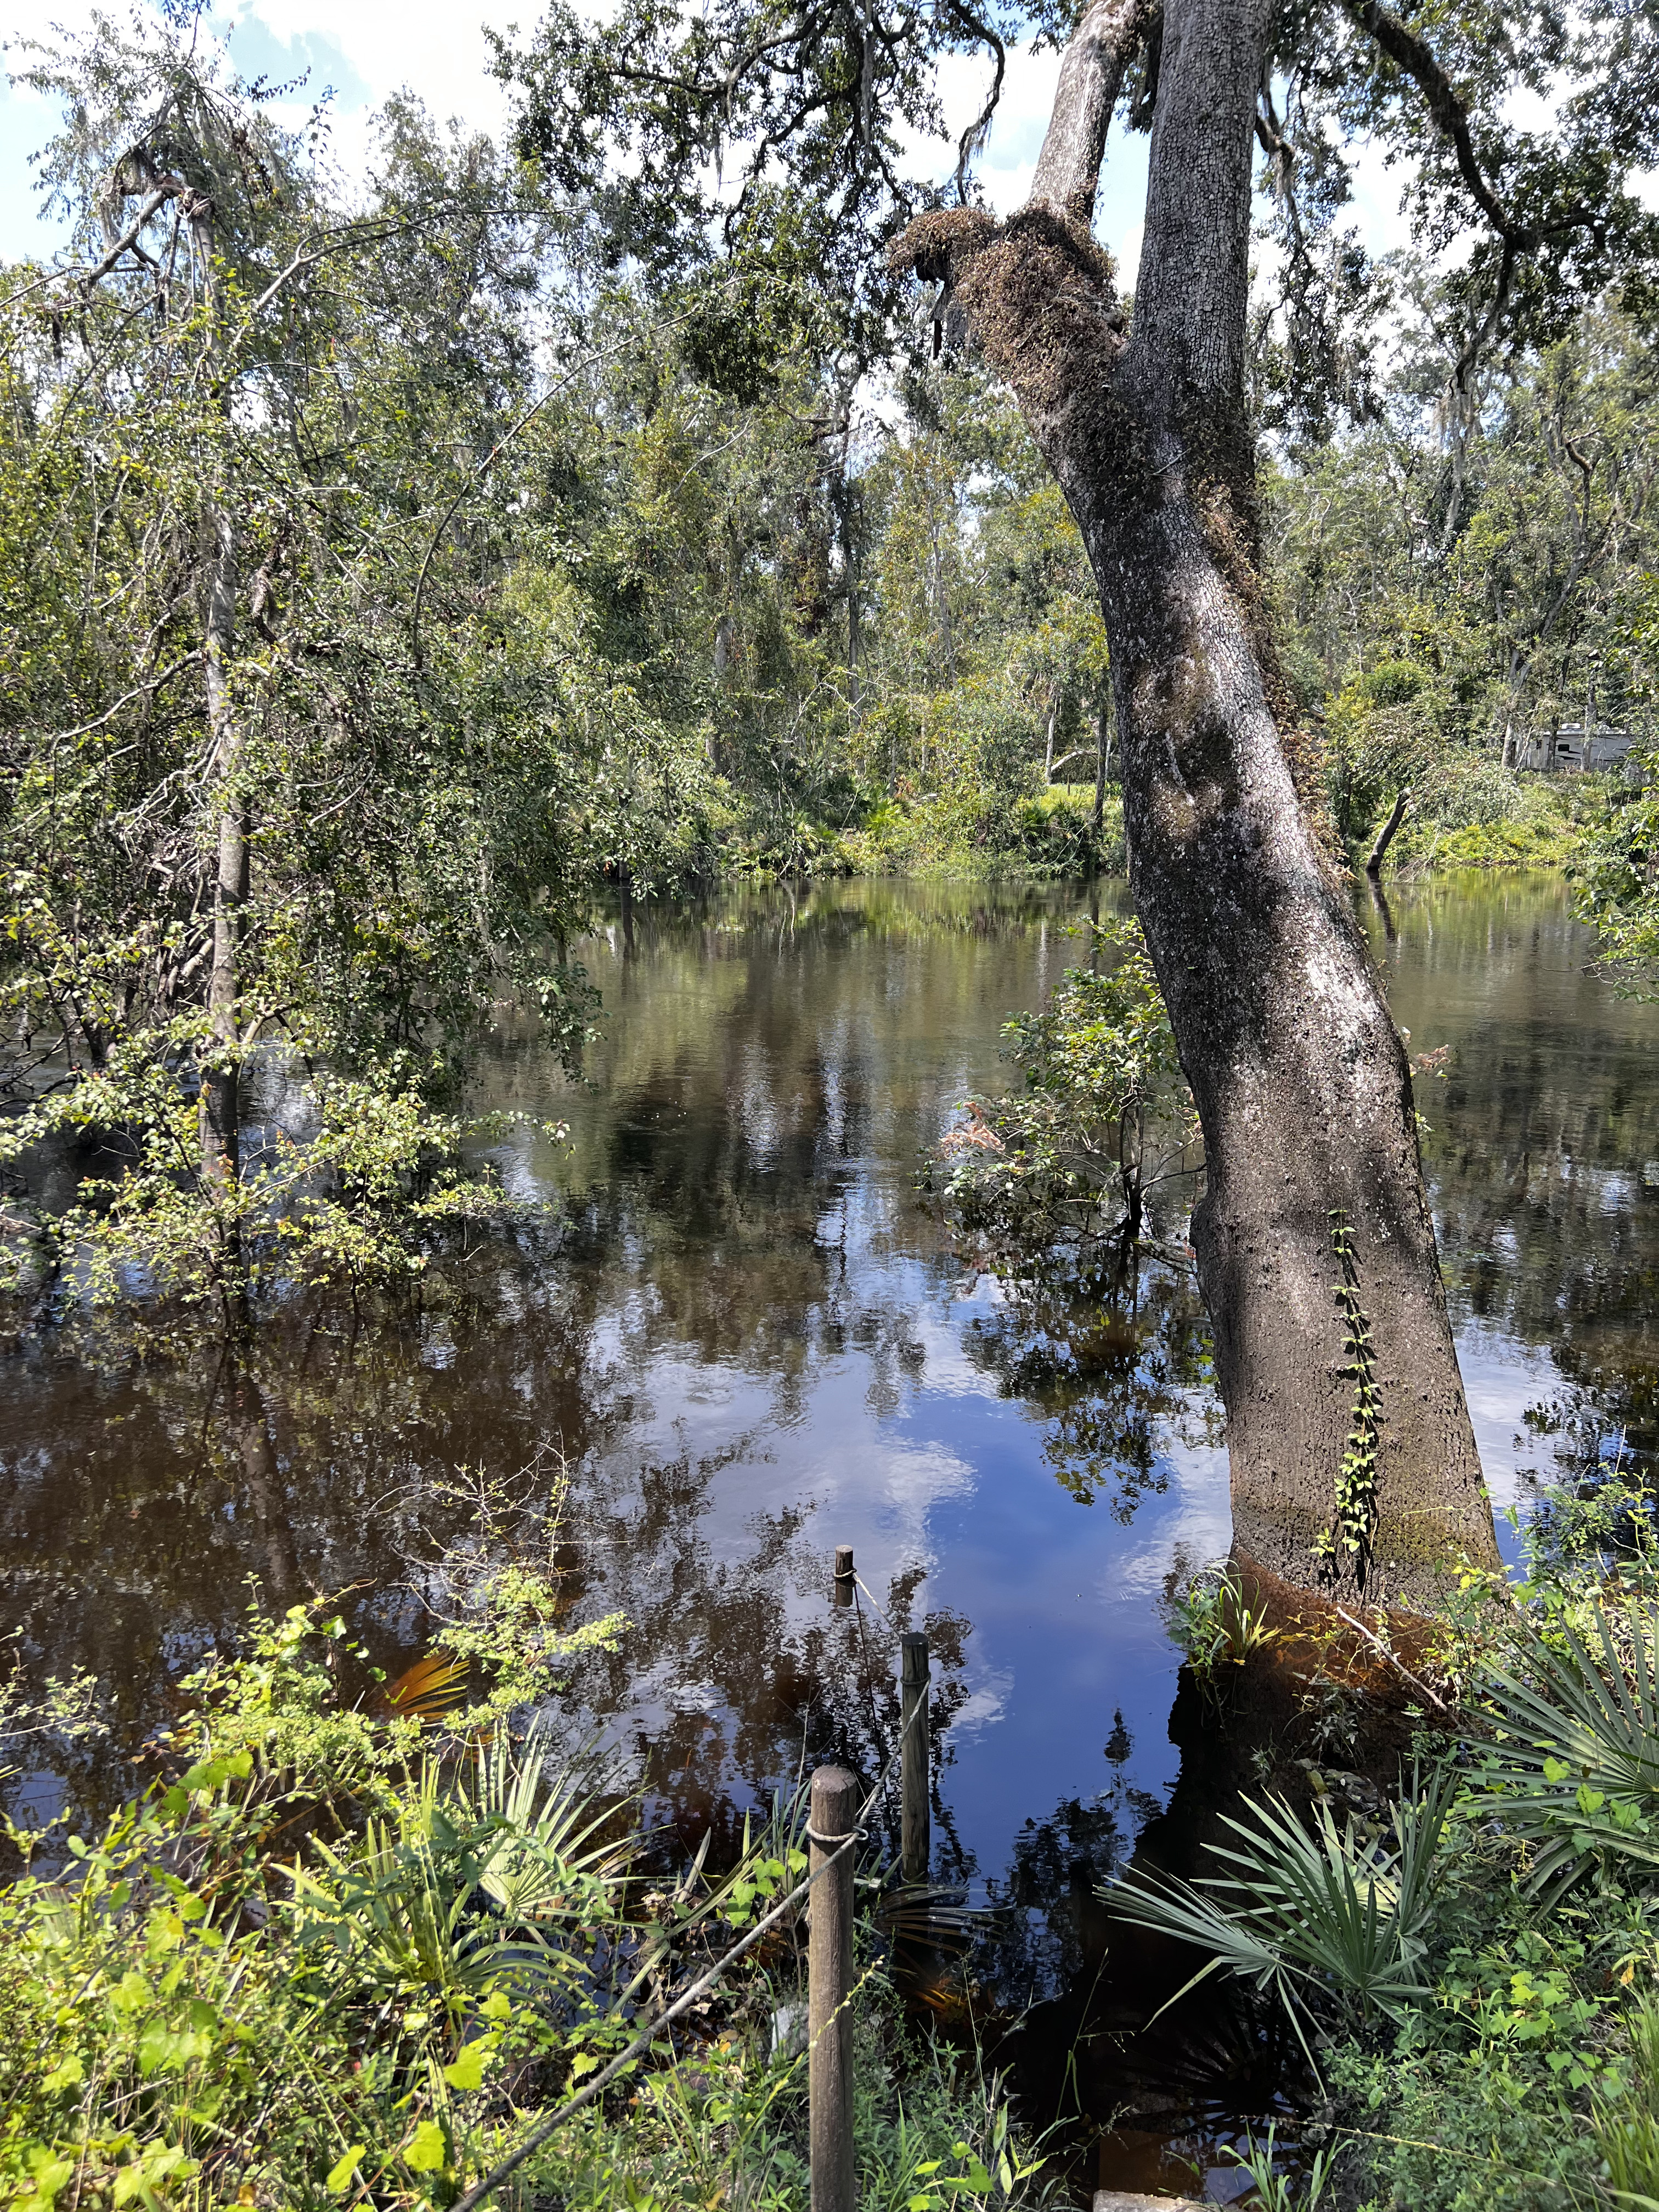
{"x":1353,"y":1460}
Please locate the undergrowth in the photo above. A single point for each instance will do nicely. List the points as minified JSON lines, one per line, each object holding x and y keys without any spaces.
{"x":347,"y":1949}
{"x":1474,"y":1965}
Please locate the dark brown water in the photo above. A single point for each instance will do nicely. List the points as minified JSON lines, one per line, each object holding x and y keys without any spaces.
{"x":751,"y":1344}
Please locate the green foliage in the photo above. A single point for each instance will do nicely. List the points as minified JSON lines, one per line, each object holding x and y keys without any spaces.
{"x":1355,"y":1518}
{"x":355,"y":1945}
{"x":197,"y":2011}
{"x":364,"y":1197}
{"x":1273,"y":2193}
{"x":1524,"y":2073}
{"x":1575,"y":1770}
{"x":1325,"y":1912}
{"x":1616,"y":885}
{"x":931,"y":2133}
{"x":1103,"y":1119}
{"x":1627,"y":2126}
{"x":1215,"y":1621}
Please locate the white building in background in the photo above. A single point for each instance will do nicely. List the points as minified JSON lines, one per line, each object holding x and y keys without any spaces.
{"x":1574,"y":747}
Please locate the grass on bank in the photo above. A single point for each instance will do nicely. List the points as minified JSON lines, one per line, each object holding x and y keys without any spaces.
{"x":346,"y":1949}
{"x":1483,"y":815}
{"x":1473,"y":1960}
{"x":1470,"y":813}
{"x":1047,"y":832}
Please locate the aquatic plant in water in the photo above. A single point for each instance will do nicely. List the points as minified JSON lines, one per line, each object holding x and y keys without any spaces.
{"x":1216,"y":1623}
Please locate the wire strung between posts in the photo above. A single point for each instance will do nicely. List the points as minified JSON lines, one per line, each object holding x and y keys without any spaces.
{"x":864,"y":1646}
{"x":514,"y":2159}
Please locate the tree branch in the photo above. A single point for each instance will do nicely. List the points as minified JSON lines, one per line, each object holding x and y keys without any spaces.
{"x":169,"y":188}
{"x":1090,"y":75}
{"x":974,"y":137}
{"x":1193,"y":286}
{"x":1412,"y":55}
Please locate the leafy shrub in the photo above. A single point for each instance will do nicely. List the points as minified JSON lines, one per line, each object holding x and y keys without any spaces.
{"x":1102,"y":1118}
{"x":346,"y":1953}
{"x":1311,"y":1913}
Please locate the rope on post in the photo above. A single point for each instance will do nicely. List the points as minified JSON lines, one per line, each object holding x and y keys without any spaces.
{"x":470,"y":2199}
{"x":829,"y":1983}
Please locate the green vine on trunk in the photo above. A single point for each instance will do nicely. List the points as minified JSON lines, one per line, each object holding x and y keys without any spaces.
{"x":1349,"y":1534}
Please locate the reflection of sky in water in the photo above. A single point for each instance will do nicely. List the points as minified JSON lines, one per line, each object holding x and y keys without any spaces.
{"x":919,"y":1461}
{"x":758,"y":1346}
{"x":1063,"y":1599}
{"x":1502,"y":1377}
{"x":915,"y":1454}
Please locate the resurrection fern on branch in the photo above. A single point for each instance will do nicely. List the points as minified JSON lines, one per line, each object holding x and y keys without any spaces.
{"x":1348,"y":1536}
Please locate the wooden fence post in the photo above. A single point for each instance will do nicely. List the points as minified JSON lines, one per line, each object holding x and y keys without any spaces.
{"x":845,"y":1577}
{"x":914,"y":1760}
{"x":829,"y":1983}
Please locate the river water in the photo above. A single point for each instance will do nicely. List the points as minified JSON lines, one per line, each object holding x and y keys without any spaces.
{"x":749,"y":1342}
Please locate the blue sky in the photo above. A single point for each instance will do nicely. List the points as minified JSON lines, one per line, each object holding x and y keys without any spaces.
{"x":365,"y":50}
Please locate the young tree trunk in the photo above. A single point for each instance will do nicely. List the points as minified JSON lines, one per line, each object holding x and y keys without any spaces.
{"x":1353,"y":1460}
{"x":1103,"y":762}
{"x":221,"y":1090}
{"x":1388,"y":832}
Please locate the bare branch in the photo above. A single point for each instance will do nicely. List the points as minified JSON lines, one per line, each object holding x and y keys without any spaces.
{"x":168,"y":188}
{"x":974,"y":137}
{"x":1090,"y":75}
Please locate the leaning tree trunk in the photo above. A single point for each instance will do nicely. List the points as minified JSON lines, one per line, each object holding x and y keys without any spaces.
{"x":221,"y":1089}
{"x":1353,"y":1457}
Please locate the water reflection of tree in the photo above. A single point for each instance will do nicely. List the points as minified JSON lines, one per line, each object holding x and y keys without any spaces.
{"x":720,"y":1201}
{"x":1541,"y":1148}
{"x":1048,"y":1928}
{"x":1112,"y":1362}
{"x":140,"y":1501}
{"x":739,"y":1674}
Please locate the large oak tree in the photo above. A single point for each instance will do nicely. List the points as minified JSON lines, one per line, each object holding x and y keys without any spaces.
{"x":1353,"y":1458}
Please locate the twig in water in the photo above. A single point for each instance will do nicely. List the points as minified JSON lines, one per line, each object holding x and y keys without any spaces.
{"x":1395,"y":1659}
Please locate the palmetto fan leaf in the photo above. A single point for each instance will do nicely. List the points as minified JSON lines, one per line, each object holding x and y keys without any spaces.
{"x":1576,"y":1768}
{"x":545,"y":1845}
{"x":506,"y":1875}
{"x":1308,"y":1910}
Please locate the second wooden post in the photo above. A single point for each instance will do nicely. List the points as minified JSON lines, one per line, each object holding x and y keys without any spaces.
{"x":916,"y":1761}
{"x":829,"y":1986}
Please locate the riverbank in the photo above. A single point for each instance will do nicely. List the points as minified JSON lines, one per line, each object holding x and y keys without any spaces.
{"x":1048,"y":834}
{"x":359,"y":1942}
{"x":1492,"y":817}
{"x":1489,"y":2041}
{"x":1475,"y":815}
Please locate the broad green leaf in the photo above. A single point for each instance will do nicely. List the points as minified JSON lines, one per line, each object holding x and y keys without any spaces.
{"x":466,"y":2070}
{"x":339,"y":2175}
{"x":425,"y":2151}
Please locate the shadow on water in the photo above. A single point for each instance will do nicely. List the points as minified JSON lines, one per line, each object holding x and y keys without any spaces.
{"x":749,"y":1344}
